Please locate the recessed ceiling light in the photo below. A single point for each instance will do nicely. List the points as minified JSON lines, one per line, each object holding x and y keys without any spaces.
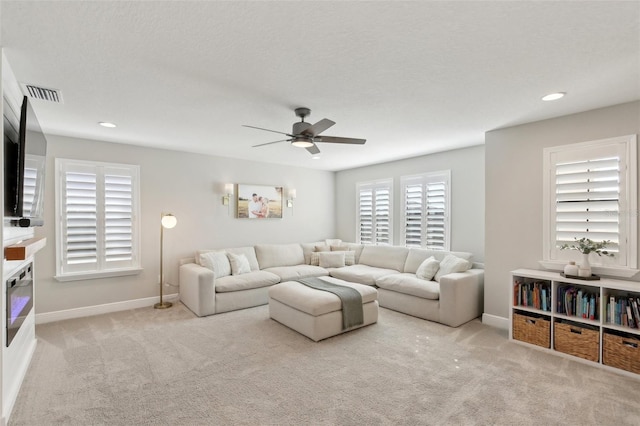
{"x":553,"y":96}
{"x":106,"y":124}
{"x":316,"y":157}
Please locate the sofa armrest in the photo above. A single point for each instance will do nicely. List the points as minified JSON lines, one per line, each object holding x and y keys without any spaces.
{"x":461,"y":297}
{"x":198,"y":289}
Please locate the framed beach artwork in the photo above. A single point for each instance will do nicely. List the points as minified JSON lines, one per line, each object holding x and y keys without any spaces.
{"x":259,"y":202}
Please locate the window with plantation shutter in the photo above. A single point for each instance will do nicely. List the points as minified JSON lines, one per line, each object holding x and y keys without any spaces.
{"x":590,"y":192}
{"x":425,"y":210}
{"x":374,"y":212}
{"x":97,"y":225}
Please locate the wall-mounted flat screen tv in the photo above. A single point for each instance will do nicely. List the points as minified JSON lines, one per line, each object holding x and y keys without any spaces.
{"x":25,"y":152}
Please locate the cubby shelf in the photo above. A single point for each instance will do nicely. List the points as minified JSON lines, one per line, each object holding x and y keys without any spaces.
{"x":569,"y":335}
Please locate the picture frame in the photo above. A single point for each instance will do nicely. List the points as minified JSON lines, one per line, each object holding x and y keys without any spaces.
{"x":250,"y":202}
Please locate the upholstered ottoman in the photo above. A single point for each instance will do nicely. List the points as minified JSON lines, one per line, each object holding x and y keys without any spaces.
{"x":315,"y":313}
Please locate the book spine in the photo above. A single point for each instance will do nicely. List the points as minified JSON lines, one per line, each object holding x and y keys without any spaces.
{"x":592,"y":307}
{"x":612,"y":302}
{"x":636,"y":312}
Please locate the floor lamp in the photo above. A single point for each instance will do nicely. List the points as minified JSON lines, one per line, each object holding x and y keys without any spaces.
{"x":166,"y":221}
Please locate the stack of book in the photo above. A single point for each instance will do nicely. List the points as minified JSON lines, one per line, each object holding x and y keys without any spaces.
{"x":578,"y":302}
{"x":623,"y":311}
{"x":533,"y":295}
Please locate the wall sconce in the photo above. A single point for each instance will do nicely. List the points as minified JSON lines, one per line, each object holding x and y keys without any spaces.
{"x":292,"y":196}
{"x":228,"y":189}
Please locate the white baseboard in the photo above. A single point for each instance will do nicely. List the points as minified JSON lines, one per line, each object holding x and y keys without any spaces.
{"x":88,"y":311}
{"x":495,"y":321}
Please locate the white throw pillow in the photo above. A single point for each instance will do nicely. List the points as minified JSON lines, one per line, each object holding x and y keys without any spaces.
{"x":349,"y":258}
{"x":331,"y":259}
{"x":315,"y":258}
{"x":451,"y":264}
{"x":218,"y":262}
{"x":239,"y":264}
{"x":322,"y":247}
{"x":427,"y":269}
{"x":333,"y":241}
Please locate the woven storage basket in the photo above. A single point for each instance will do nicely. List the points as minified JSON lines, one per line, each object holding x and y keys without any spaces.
{"x":530,"y":329}
{"x":576,"y":340}
{"x":621,"y":352}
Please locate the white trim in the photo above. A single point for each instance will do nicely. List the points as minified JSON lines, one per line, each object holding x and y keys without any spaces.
{"x":87,"y":311}
{"x":495,"y":321}
{"x":79,"y":276}
{"x":598,"y":270}
{"x":630,"y":197}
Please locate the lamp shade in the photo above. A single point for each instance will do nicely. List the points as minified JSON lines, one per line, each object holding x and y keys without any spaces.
{"x":292,"y":193}
{"x":168,"y":221}
{"x":228,"y":188}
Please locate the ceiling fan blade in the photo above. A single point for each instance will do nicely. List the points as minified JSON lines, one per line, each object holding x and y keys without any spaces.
{"x":335,"y":139}
{"x":319,"y":127}
{"x":269,"y":143}
{"x":313,"y":149}
{"x":267,"y":130}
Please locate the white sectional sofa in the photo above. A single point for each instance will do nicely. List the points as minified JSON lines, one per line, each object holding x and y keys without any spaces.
{"x":453,"y":299}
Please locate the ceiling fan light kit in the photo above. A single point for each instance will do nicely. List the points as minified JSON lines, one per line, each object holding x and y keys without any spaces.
{"x":306,"y":135}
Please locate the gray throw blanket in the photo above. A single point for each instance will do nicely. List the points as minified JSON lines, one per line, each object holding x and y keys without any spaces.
{"x":352,"y":314}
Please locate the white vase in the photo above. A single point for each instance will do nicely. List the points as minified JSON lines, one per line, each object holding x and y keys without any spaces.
{"x":585,"y":266}
{"x":571,"y":269}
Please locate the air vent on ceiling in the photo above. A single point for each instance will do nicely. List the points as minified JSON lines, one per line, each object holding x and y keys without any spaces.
{"x":36,"y":92}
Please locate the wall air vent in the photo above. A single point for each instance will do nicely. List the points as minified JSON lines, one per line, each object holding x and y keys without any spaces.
{"x":42,"y":93}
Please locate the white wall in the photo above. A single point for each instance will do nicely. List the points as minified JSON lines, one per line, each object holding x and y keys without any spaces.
{"x":467,"y":195}
{"x":191,"y":187}
{"x":514,"y":189}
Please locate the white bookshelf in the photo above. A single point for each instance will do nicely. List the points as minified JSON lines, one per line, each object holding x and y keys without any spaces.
{"x":603,"y":289}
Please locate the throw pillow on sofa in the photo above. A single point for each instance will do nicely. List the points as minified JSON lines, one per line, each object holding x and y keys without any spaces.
{"x":322,"y":247}
{"x":218,"y":262}
{"x":349,"y":257}
{"x":427,"y":269}
{"x":339,"y":248}
{"x":334,"y":259}
{"x":239,"y":264}
{"x":451,"y":264}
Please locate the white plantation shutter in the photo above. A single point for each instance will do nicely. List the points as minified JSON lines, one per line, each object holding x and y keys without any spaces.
{"x":97,"y":224}
{"x":588,"y":201}
{"x":425,"y":210}
{"x":374,"y":212}
{"x":591,"y":194}
{"x":29,"y":190}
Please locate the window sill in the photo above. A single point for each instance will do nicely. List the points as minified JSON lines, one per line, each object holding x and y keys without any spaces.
{"x":609,"y":271}
{"x":97,"y":275}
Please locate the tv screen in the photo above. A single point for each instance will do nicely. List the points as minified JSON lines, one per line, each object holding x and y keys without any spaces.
{"x":25,"y":151}
{"x":12,"y":167}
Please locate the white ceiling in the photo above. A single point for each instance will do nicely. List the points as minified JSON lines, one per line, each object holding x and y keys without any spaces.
{"x":410,"y":77}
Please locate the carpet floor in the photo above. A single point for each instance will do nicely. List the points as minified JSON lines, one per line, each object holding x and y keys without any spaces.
{"x":151,"y":367}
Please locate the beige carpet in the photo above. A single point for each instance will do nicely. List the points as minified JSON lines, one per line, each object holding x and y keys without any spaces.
{"x":150,"y":367}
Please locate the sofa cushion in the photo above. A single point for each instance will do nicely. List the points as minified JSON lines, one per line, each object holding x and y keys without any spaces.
{"x":217,"y":261}
{"x":349,"y":258}
{"x":451,"y":264}
{"x":270,"y":255}
{"x":387,"y":257}
{"x":316,"y":302}
{"x":333,"y":259}
{"x":416,"y":256}
{"x":307,"y":249}
{"x":410,"y":284}
{"x":254,"y":279}
{"x":362,"y":274}
{"x":239,"y":264}
{"x":249,"y":252}
{"x":357,"y":248}
{"x":427,"y":269}
{"x":288,"y":273}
